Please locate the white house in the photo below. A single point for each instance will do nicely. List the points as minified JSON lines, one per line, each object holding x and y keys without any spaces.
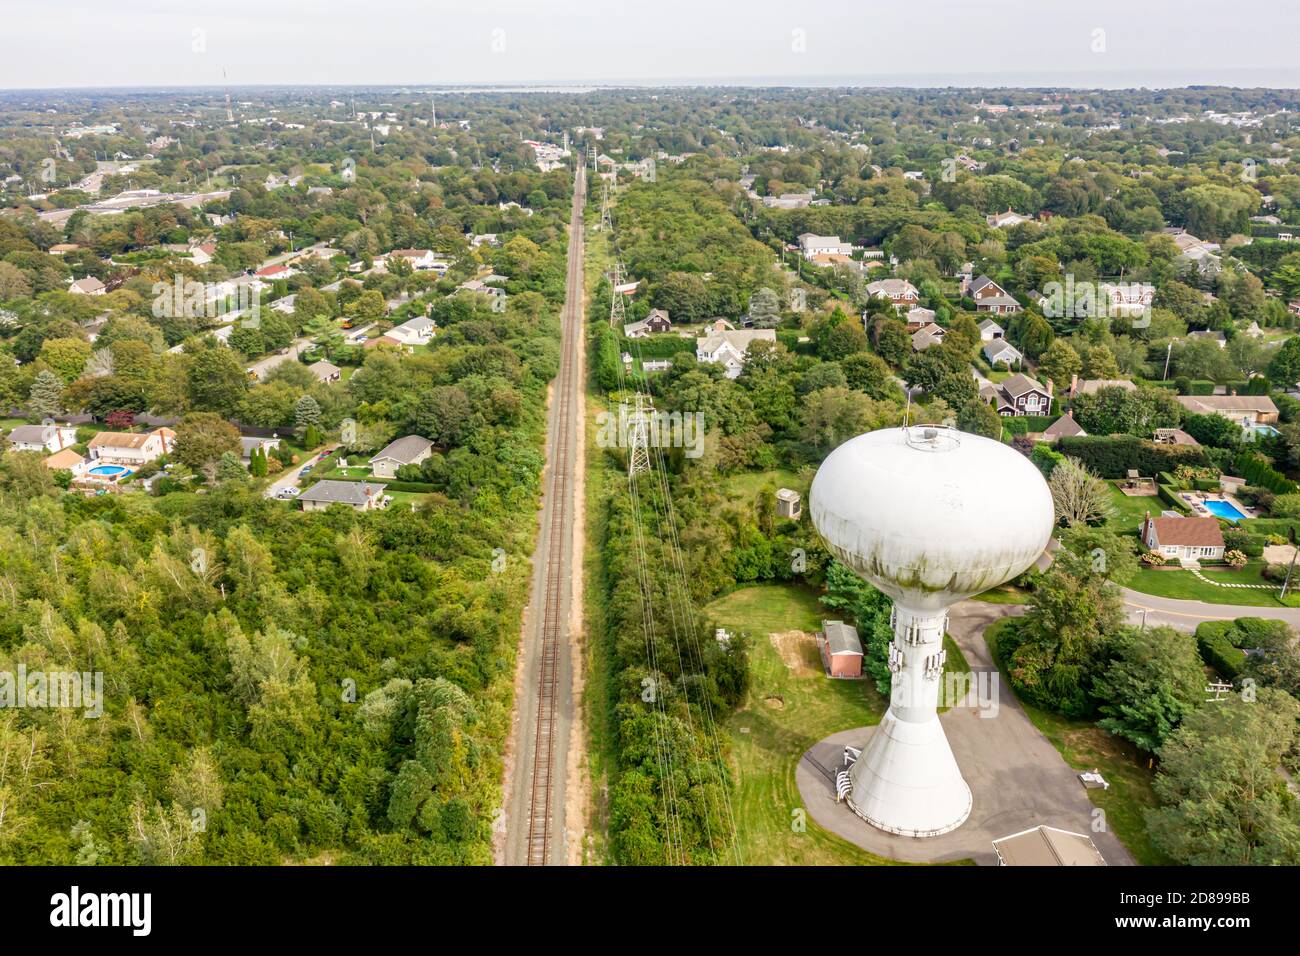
{"x":1002,"y":352}
{"x":360,"y":496}
{"x":990,"y":331}
{"x":1005,"y":220}
{"x":87,"y":286}
{"x":421,"y":260}
{"x":811,"y":245}
{"x":730,"y":347}
{"x":127,"y":448}
{"x":416,"y":331}
{"x":45,"y":438}
{"x":1187,"y":539}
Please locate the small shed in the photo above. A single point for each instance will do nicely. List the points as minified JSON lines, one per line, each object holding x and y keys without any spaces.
{"x":841,"y":650}
{"x":789,"y":504}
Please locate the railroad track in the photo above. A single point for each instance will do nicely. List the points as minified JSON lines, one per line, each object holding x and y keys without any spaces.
{"x":541,"y":809}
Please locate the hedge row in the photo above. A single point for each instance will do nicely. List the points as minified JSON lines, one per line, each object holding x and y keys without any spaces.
{"x":1170,"y":497}
{"x":1111,"y":456}
{"x":1257,"y":471}
{"x":1212,"y":638}
{"x":658,"y":346}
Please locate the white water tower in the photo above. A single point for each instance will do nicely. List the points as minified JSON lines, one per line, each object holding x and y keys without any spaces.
{"x":929,"y":516}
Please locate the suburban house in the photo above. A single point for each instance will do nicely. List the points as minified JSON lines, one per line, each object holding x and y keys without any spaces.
{"x":1192,"y":252}
{"x":932,"y":334}
{"x":1187,"y":539}
{"x":898,"y":291}
{"x":788,"y":504}
{"x":203,"y":253}
{"x":1218,"y":338}
{"x":1047,"y":846}
{"x":408,"y":450}
{"x":811,"y":245}
{"x":841,"y":649}
{"x":416,"y":331}
{"x":1063,"y":427}
{"x":251,"y":443}
{"x":990,"y":297}
{"x":1005,"y":220}
{"x":275,"y":272}
{"x":1002,"y":352}
{"x":421,"y":260}
{"x":656,"y":323}
{"x":730,"y":347}
{"x":87,"y":286}
{"x":918,"y":318}
{"x":361,"y":496}
{"x":990,"y":331}
{"x":325,"y":371}
{"x":1127,"y":298}
{"x":1090,"y":386}
{"x":1018,"y":395}
{"x":1245,"y":410}
{"x":66,"y":460}
{"x":46,"y":438}
{"x":128,"y":448}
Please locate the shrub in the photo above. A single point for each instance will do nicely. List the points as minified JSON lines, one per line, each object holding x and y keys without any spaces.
{"x":1234,"y":559}
{"x":1217,"y":650}
{"x":1275,"y":573}
{"x":1153,"y":559}
{"x":1251,"y":545}
{"x":1286,"y":506}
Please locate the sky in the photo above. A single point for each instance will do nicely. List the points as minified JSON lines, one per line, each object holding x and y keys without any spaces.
{"x":1100,"y":43}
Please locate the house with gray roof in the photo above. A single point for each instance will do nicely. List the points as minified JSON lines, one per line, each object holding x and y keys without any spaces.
{"x":841,"y":649}
{"x":359,"y":495}
{"x":407,"y":450}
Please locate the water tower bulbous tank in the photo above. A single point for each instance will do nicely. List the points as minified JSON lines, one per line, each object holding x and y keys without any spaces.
{"x":931,"y":516}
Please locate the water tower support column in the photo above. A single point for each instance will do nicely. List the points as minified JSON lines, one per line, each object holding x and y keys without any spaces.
{"x":907,"y":781}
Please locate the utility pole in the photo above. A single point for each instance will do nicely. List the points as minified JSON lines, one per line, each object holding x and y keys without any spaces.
{"x":1169,"y":349}
{"x":617,"y":308}
{"x":1290,"y":533}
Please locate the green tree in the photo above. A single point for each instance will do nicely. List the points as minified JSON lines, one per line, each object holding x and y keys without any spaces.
{"x":46,"y":396}
{"x":203,"y":437}
{"x":1060,"y":363}
{"x":1223,"y":802}
{"x":1154,"y":679}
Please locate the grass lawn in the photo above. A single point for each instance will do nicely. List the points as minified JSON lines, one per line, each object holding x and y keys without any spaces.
{"x":352,"y":472}
{"x":1005,"y":594}
{"x":405,"y":499}
{"x":789,"y":709}
{"x":1085,"y":746}
{"x":1129,"y":511}
{"x":1185,"y":586}
{"x":743,"y":486}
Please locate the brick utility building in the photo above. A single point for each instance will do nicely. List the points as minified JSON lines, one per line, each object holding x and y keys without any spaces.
{"x":841,"y":650}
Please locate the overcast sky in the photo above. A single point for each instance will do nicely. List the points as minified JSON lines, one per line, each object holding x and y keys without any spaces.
{"x":67,"y":43}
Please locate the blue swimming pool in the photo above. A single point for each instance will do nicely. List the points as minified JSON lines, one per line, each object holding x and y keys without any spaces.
{"x":110,"y":471}
{"x":1222,"y":509}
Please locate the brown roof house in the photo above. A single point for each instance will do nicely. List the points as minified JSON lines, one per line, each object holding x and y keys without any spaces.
{"x":1019,"y":394}
{"x":1063,"y":427}
{"x":1242,"y":409}
{"x":1187,"y":539}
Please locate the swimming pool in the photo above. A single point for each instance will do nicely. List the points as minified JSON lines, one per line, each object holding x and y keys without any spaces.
{"x":110,"y":471}
{"x":1222,"y":509}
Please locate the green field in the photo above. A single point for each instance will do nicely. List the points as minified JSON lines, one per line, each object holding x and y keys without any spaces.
{"x":1129,"y":511}
{"x":1085,"y":746}
{"x":788,"y":710}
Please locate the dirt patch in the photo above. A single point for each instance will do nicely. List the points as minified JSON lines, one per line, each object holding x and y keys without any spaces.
{"x":798,"y":651}
{"x":775,"y":702}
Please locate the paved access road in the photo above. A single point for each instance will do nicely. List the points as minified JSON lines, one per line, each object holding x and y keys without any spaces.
{"x":538,"y":754}
{"x":1185,"y":615}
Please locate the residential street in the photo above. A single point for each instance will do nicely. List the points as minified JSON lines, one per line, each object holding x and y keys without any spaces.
{"x":1185,"y":615}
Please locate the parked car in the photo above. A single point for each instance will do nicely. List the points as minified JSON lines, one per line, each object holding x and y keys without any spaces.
{"x":304,"y":470}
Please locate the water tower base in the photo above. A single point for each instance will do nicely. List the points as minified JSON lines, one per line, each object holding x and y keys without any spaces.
{"x":907,"y":781}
